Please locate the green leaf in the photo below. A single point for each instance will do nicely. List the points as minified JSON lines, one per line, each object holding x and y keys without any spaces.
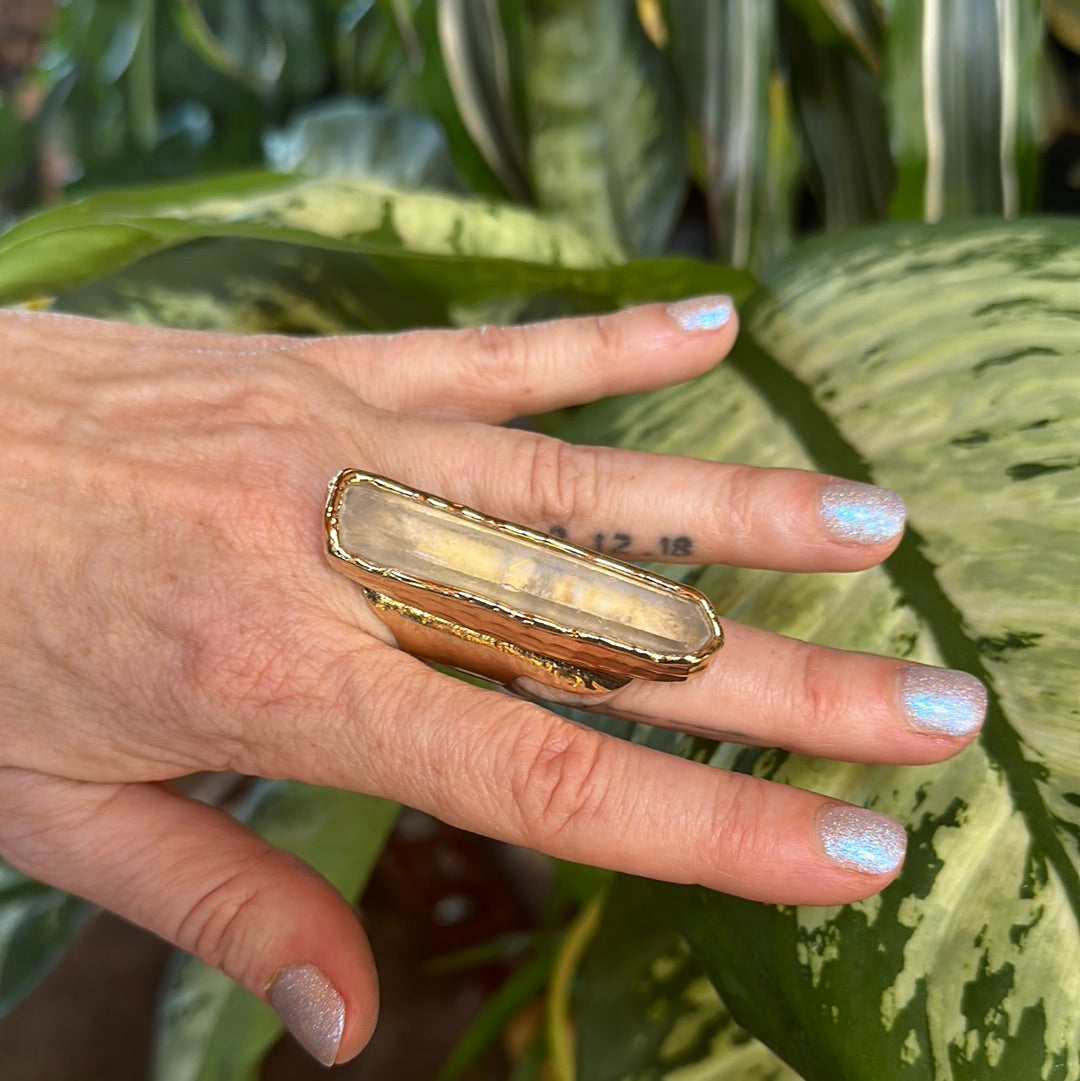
{"x":856,"y":23}
{"x":426,"y":83}
{"x":212,"y":1030}
{"x":944,"y":364}
{"x":839,"y":108}
{"x":37,"y":923}
{"x":964,"y":84}
{"x":606,"y":143}
{"x":366,"y":48}
{"x":724,"y":55}
{"x":525,"y":984}
{"x":274,"y":50}
{"x":255,"y":286}
{"x":434,"y":249}
{"x":477,"y":58}
{"x":369,"y":141}
{"x":679,"y":1027}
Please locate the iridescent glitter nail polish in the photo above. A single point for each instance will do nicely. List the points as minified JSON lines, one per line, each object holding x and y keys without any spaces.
{"x":702,"y":313}
{"x":311,"y":1009}
{"x":942,"y":701}
{"x":861,"y":513}
{"x":862,"y":840}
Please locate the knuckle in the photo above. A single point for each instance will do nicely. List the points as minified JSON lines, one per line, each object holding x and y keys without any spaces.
{"x":561,"y":481}
{"x":738,"y":822}
{"x":817,"y":692}
{"x":735,"y":514}
{"x":504,"y":355}
{"x":247,"y":675}
{"x":272,"y":393}
{"x":218,"y":923}
{"x":559,"y":783}
{"x":607,"y":337}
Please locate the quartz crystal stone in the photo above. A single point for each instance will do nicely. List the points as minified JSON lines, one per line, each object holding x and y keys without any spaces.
{"x":535,"y":577}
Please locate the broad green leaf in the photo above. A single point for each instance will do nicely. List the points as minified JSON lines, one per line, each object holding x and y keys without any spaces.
{"x":840,"y":113}
{"x":724,"y":57}
{"x":963,"y":84}
{"x":212,"y":1030}
{"x":36,"y":925}
{"x":255,"y":286}
{"x":369,"y":141}
{"x":639,"y":975}
{"x":944,"y":364}
{"x":435,"y":249}
{"x":606,"y":143}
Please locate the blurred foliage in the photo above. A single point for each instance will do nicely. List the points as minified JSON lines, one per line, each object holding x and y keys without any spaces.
{"x":730,"y":126}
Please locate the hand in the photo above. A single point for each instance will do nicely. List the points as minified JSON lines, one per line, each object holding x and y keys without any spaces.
{"x":166,"y":608}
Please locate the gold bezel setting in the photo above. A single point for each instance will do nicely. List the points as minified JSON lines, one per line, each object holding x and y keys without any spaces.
{"x":496,"y":639}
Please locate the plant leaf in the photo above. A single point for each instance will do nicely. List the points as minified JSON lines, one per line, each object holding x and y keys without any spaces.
{"x":476,"y":56}
{"x":854,"y":22}
{"x":37,"y":923}
{"x":428,"y":83}
{"x":724,"y":57}
{"x":963,"y":85}
{"x":606,"y":145}
{"x":841,"y":117}
{"x":212,"y":1030}
{"x":370,"y":141}
{"x":680,"y":1028}
{"x":434,"y":249}
{"x":941,"y":363}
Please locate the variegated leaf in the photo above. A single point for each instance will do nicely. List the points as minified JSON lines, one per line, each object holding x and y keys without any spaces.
{"x":477,"y":58}
{"x":605,"y":134}
{"x":963,"y":86}
{"x":724,"y":56}
{"x":36,"y":925}
{"x":854,"y":22}
{"x":679,"y":1030}
{"x":842,"y":120}
{"x":945,"y":364}
{"x":345,"y":254}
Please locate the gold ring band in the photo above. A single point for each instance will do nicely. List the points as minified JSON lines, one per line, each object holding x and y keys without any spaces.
{"x":509,"y":603}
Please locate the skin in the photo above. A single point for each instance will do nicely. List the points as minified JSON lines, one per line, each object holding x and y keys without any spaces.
{"x":166,"y":608}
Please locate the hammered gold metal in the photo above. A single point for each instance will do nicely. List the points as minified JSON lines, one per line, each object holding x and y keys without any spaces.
{"x":506,"y":602}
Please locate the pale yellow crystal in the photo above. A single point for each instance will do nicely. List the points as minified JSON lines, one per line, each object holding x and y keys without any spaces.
{"x":387,"y":529}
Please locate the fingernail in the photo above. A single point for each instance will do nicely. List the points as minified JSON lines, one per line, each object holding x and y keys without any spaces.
{"x":862,"y":840}
{"x":861,"y":513}
{"x":942,"y":701}
{"x":311,"y":1009}
{"x":702,"y":313}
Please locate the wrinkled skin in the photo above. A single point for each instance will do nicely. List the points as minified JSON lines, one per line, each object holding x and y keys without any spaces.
{"x":166,"y":608}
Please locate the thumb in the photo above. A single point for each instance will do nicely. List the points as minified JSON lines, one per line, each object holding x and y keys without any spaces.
{"x":200,"y":880}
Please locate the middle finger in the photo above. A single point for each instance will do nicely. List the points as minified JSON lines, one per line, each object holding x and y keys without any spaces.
{"x":636,"y":505}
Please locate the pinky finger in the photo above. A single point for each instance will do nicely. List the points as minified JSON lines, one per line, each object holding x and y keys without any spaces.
{"x":203,"y":882}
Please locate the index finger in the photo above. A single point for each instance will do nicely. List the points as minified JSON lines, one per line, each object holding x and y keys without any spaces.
{"x":495,"y":373}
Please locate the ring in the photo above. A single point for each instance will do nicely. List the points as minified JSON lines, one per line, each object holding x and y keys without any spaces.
{"x":508,"y":603}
